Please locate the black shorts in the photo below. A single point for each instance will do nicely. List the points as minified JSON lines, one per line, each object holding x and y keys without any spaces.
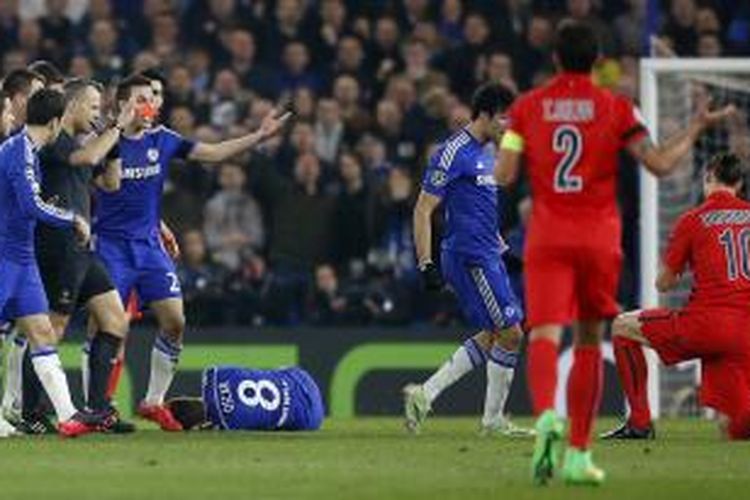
{"x":71,"y":278}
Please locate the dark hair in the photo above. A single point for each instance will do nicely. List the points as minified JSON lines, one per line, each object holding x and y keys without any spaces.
{"x":576,"y":46}
{"x":51,"y":73}
{"x":19,"y":82}
{"x":155,"y":74}
{"x":490,"y":98}
{"x":75,"y":87}
{"x":727,"y":169}
{"x":44,"y":106}
{"x":125,"y":87}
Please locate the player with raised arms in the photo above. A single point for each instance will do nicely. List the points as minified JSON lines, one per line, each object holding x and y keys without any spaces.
{"x":713,"y":240}
{"x":460,"y":176}
{"x":22,"y":296}
{"x":569,"y":133}
{"x":126,"y":227}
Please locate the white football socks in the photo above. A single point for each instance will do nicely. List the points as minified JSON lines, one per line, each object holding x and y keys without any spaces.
{"x":85,"y":373}
{"x":466,"y":358}
{"x":49,"y":369}
{"x":500,"y":369}
{"x":12,"y":394}
{"x":164,"y":358}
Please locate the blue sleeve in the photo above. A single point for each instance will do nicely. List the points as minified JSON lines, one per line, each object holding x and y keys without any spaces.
{"x":444,"y":167}
{"x":23,"y":178}
{"x":176,"y":145}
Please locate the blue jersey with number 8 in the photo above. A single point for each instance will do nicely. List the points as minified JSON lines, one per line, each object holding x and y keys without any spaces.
{"x":245,"y":399}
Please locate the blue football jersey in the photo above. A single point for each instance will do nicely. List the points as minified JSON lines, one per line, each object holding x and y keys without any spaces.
{"x":246,"y":399}
{"x":134,"y":211}
{"x":461,"y":172}
{"x":21,"y":203}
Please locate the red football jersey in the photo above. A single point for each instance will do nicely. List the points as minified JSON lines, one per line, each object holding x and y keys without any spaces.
{"x":714,"y":241}
{"x":571,"y":133}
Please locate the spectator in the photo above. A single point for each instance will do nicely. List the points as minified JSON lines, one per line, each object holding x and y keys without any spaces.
{"x":226,"y":99}
{"x":57,"y":31}
{"x":329,"y":130}
{"x":461,"y":61}
{"x":386,"y":57}
{"x":351,"y":241}
{"x":296,"y":70}
{"x":680,"y":27}
{"x":330,"y":305}
{"x":233,"y":221}
{"x":348,"y":95}
{"x":201,"y":280}
{"x":350,"y":59}
{"x":106,"y":62}
{"x":254,"y":299}
{"x":629,"y":27}
{"x":450,"y":26}
{"x":401,"y":147}
{"x":254,"y":76}
{"x":332,"y":26}
{"x":418,"y":69}
{"x":709,"y":45}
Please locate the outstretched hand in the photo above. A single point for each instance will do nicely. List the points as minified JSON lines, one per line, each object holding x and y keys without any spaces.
{"x":272,"y":123}
{"x":708,"y":118}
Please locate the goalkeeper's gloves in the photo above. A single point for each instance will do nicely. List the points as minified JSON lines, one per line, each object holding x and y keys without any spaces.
{"x":431,"y":277}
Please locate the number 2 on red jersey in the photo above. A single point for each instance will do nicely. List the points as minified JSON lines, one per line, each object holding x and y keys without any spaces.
{"x":568,"y":141}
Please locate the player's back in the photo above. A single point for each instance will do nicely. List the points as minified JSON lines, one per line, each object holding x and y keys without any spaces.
{"x":16,"y":228}
{"x":573,"y":132}
{"x":718,"y":251}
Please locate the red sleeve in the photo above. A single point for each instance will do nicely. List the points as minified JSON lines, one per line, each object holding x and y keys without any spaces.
{"x":515,"y":117}
{"x":678,"y":252}
{"x":630,"y":122}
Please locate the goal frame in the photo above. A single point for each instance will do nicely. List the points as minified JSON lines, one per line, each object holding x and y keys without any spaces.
{"x":651,"y":69}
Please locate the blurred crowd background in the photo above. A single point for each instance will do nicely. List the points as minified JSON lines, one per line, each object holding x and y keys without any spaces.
{"x":316,"y":227}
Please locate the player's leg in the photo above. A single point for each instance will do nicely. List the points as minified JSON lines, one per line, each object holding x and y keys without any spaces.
{"x":628,"y":342}
{"x":165,"y":357}
{"x":12,"y":389}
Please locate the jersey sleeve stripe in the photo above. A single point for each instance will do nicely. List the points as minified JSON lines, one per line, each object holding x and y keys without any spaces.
{"x":51,"y":210}
{"x":451,"y":148}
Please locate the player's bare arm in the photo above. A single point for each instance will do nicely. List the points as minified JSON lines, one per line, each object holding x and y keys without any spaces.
{"x":271,"y":125}
{"x":507,"y":167}
{"x":95,"y":150}
{"x":423,"y":210}
{"x":169,"y":240}
{"x":667,"y":280}
{"x":662,"y":159}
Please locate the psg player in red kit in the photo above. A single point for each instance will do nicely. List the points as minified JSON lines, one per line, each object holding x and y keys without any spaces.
{"x":713,"y":240}
{"x":569,"y":134}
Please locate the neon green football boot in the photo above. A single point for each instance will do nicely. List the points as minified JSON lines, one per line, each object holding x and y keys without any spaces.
{"x":579,"y":469}
{"x":549,"y":433}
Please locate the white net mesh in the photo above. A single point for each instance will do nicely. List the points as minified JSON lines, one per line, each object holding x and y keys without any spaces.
{"x":678,"y":94}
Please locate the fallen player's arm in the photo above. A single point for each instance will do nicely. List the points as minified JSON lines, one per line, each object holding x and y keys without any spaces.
{"x":508,"y":162}
{"x":110,"y":179}
{"x":423,"y":210}
{"x":662,"y":159}
{"x":218,"y":152}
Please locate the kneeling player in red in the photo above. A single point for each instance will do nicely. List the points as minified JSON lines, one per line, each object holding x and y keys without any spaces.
{"x":713,"y":240}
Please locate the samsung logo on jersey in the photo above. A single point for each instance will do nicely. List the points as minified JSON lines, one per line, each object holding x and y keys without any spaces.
{"x":568,"y":110}
{"x":136,"y":173}
{"x":225,"y":398}
{"x":486,"y":180}
{"x":720,"y":217}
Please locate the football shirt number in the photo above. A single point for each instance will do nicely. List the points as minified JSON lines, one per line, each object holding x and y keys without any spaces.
{"x":263,"y":393}
{"x":737,"y":252}
{"x":567,"y":140}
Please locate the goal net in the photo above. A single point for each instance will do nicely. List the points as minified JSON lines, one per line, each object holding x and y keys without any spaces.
{"x":671,"y":90}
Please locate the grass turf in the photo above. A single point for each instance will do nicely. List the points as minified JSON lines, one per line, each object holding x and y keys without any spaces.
{"x":362,"y":459}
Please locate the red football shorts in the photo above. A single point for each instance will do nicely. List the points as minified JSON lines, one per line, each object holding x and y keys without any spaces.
{"x":565,"y":284}
{"x":719,"y":338}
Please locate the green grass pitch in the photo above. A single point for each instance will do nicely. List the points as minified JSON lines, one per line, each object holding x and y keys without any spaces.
{"x":362,"y":459}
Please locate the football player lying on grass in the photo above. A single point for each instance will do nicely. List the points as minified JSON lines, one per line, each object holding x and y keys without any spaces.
{"x":244,"y":399}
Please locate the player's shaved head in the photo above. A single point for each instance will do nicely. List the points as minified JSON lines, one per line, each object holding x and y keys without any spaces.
{"x":576,"y":46}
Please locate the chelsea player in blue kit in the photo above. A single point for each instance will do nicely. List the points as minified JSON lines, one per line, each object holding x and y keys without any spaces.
{"x":127,"y":222}
{"x":22,"y":296}
{"x":460,"y":176}
{"x":244,"y":399}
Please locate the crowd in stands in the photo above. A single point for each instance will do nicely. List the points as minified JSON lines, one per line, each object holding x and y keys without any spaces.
{"x":316,"y":226}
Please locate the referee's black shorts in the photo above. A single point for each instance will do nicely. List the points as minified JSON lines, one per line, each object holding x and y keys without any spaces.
{"x":71,"y":275}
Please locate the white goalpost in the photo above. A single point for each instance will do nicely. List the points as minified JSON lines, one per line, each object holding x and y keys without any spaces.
{"x":669,"y":90}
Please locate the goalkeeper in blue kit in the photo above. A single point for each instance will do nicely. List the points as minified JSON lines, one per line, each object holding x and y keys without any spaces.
{"x":235,"y":398}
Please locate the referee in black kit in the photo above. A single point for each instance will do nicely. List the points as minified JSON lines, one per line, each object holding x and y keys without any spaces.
{"x":73,"y":276}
